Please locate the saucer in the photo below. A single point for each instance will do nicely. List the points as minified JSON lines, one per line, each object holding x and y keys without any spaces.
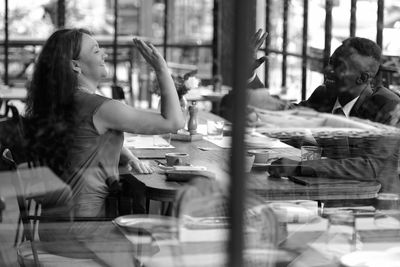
{"x":261,"y":164}
{"x":144,"y":222}
{"x":268,"y":163}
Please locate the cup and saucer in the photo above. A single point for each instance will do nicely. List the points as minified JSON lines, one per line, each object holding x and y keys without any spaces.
{"x":174,"y":159}
{"x":262,"y":158}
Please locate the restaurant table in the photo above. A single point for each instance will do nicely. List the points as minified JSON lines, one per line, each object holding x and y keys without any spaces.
{"x":216,"y":160}
{"x":304,"y":245}
{"x":310,"y":242}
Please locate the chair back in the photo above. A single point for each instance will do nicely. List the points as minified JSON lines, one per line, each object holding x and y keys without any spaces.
{"x":28,"y":229}
{"x":203,"y":205}
{"x":12,"y":135}
{"x":20,"y":192}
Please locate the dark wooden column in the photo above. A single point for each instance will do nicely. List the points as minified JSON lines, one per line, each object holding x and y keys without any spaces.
{"x":145,"y":19}
{"x":353,"y":19}
{"x":379,"y":23}
{"x":328,"y":31}
{"x":217,"y":39}
{"x":284,"y":43}
{"x":267,"y":41}
{"x":6,"y":44}
{"x":165,"y":38}
{"x":304,"y":51}
{"x":60,"y":13}
{"x":243,"y":27}
{"x":115,"y":44}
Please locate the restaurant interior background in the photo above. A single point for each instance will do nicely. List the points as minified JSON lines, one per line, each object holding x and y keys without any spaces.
{"x":190,"y":42}
{"x":194,"y":36}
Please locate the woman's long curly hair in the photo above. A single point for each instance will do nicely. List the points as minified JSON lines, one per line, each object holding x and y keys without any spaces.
{"x":50,"y":102}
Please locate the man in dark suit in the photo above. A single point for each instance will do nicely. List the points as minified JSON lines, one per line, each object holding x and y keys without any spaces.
{"x":347,"y":86}
{"x":347,"y":91}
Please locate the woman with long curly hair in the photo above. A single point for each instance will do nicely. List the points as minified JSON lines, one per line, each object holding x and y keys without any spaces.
{"x":79,"y":134}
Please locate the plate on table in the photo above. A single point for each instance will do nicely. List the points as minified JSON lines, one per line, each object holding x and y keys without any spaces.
{"x":205,"y":222}
{"x":148,"y":223}
{"x":388,"y":258}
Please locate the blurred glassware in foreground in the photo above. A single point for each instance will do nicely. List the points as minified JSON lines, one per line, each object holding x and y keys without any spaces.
{"x":387,"y":214}
{"x":341,"y":236}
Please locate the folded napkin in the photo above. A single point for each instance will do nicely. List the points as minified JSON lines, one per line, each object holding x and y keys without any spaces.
{"x":145,"y":142}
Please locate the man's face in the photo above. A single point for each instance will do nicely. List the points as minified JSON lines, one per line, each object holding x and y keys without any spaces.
{"x":345,"y":67}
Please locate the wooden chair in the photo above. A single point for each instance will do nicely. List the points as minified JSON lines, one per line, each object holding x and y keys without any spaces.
{"x":32,"y":252}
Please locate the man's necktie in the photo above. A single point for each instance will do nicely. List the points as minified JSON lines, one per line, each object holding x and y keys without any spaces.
{"x":339,"y":111}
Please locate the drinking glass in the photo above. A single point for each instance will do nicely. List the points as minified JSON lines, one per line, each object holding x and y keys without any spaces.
{"x":165,"y":236}
{"x":341,"y":235}
{"x":310,"y":153}
{"x":162,"y":140}
{"x":248,"y":162}
{"x":387,"y":210}
{"x":215,"y":129}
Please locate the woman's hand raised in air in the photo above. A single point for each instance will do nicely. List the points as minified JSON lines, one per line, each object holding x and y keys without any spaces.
{"x":151,"y":55}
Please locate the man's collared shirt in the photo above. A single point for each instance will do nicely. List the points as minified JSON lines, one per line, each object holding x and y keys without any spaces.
{"x":347,"y":108}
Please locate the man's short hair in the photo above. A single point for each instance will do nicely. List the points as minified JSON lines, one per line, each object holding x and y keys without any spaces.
{"x":364,"y":47}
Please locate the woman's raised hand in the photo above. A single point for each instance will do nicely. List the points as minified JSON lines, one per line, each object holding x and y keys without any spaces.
{"x":150,"y":54}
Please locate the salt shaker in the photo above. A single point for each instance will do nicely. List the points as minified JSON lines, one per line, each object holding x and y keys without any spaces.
{"x":192,"y":124}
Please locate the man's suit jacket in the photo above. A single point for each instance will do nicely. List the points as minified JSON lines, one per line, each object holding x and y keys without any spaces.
{"x":374,"y":105}
{"x":373,"y":157}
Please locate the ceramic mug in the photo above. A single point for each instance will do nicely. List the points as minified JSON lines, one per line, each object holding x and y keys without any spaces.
{"x":261,"y":156}
{"x":177,"y":159}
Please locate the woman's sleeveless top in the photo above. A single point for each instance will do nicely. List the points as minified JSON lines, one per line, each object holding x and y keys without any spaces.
{"x":92,"y":162}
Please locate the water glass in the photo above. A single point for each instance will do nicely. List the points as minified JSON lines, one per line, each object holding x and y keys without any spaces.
{"x":248,"y":162}
{"x":310,"y":153}
{"x":165,"y":236}
{"x":341,"y":235}
{"x":215,"y":129}
{"x":162,"y":140}
{"x":387,"y":210}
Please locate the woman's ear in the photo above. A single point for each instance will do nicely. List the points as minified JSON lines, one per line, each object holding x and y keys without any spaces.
{"x":75,"y":67}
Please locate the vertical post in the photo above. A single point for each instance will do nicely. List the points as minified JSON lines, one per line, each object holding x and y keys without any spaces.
{"x":304,"y":51}
{"x":379,"y":23}
{"x":243,"y":17}
{"x":115,"y":43}
{"x":328,"y":31}
{"x":353,"y":19}
{"x":6,"y":44}
{"x":60,"y":13}
{"x":268,"y":40}
{"x":284,"y":43}
{"x":165,"y":43}
{"x":145,"y":19}
{"x":217,"y":38}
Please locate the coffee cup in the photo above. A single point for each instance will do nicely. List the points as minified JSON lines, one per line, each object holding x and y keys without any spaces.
{"x":260,"y":156}
{"x":177,"y":159}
